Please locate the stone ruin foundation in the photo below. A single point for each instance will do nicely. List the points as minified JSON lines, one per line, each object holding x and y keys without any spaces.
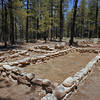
{"x":49,"y":90}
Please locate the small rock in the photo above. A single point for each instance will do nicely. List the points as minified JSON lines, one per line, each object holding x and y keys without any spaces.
{"x":1,"y":68}
{"x":55,"y":84}
{"x":37,"y":81}
{"x":79,"y":76}
{"x":3,"y":74}
{"x":27,"y":54}
{"x":42,"y":93}
{"x":8,"y":73}
{"x":49,"y":89}
{"x":46,"y":82}
{"x":68,"y":82}
{"x":49,"y":97}
{"x":15,"y":77}
{"x":17,"y":70}
{"x":8,"y":68}
{"x":20,"y":65}
{"x":30,"y":76}
{"x":60,"y":92}
{"x":23,"y":81}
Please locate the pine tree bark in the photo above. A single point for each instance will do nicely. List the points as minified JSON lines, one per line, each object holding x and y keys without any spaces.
{"x":61,"y":19}
{"x":5,"y":33}
{"x":2,"y":24}
{"x":37,"y":33}
{"x":27,"y":23}
{"x":15,"y":29}
{"x":12,"y":40}
{"x":73,"y":24}
{"x":51,"y":15}
{"x":96,"y":19}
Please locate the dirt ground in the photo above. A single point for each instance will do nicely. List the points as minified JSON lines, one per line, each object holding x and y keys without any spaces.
{"x":90,"y":89}
{"x":13,"y":91}
{"x":60,"y":68}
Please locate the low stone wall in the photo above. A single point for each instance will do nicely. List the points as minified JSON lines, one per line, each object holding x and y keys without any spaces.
{"x":29,"y":60}
{"x":22,"y":52}
{"x":39,"y":59}
{"x":84,"y":50}
{"x":17,"y":75}
{"x":44,"y":47}
{"x":43,"y":51}
{"x":69,"y":85}
{"x":49,"y":90}
{"x":1,"y":53}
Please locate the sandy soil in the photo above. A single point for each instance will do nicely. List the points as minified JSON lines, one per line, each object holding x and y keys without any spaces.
{"x":60,"y":68}
{"x":13,"y":91}
{"x":90,"y":89}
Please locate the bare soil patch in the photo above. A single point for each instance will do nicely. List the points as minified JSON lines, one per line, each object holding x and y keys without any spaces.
{"x":58,"y":69}
{"x":13,"y":91}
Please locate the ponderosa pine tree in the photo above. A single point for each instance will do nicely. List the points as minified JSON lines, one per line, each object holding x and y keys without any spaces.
{"x":73,"y":23}
{"x":10,"y":6}
{"x":61,"y":19}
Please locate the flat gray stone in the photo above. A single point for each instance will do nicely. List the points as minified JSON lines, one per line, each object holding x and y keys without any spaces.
{"x":68,"y":82}
{"x":8,"y":67}
{"x":49,"y":97}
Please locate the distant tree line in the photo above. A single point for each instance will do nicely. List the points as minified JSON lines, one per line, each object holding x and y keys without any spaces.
{"x":31,"y":20}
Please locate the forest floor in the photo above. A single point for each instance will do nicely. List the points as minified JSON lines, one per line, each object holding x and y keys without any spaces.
{"x":55,"y":69}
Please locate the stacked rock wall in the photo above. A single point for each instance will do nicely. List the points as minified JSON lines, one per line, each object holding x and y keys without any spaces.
{"x":13,"y":54}
{"x":34,"y":60}
{"x":69,"y":85}
{"x":50,"y":91}
{"x":17,"y":75}
{"x":39,"y":59}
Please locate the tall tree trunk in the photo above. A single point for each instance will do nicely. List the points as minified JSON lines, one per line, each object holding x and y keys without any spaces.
{"x":27,"y":23}
{"x":2,"y":33}
{"x":61,"y":19}
{"x":21,"y":34}
{"x":37,"y":33}
{"x":12,"y":40}
{"x":51,"y":15}
{"x":96,"y":19}
{"x":15,"y":28}
{"x":73,"y":24}
{"x":5,"y":33}
{"x":56,"y":33}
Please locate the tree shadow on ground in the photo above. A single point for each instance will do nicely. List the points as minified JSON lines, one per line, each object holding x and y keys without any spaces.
{"x":1,"y":98}
{"x":17,"y":45}
{"x":3,"y":48}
